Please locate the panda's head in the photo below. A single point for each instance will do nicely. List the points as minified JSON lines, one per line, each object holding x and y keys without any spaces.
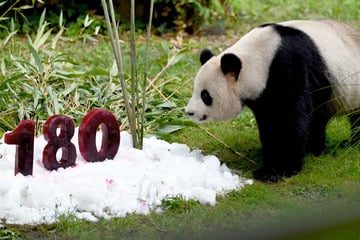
{"x":216,"y":94}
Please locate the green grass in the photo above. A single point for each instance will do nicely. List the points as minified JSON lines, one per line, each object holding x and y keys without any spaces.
{"x":319,"y":203}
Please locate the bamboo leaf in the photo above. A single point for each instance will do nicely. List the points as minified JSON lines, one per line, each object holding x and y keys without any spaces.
{"x":36,"y":58}
{"x":59,"y":34}
{"x":97,"y":30}
{"x":41,"y":39}
{"x":175,"y":58}
{"x":24,"y":7}
{"x":9,"y":36}
{"x":61,"y":19}
{"x":87,"y":21}
{"x":54,"y":99}
{"x":3,"y":19}
{"x":41,"y":36}
{"x":3,"y":67}
{"x":170,"y":129}
{"x":68,"y":90}
{"x":12,"y":25}
{"x":114,"y":69}
{"x":57,"y":37}
{"x":167,"y":105}
{"x":42,"y":18}
{"x":36,"y":98}
{"x":100,"y":72}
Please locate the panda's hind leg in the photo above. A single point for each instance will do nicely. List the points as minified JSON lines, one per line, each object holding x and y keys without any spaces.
{"x":316,"y":143}
{"x":355,"y":127}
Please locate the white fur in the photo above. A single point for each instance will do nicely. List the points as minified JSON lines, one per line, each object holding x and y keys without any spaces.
{"x":227,"y":95}
{"x":339,"y":45}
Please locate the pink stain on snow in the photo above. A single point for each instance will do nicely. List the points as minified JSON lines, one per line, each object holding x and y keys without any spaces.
{"x":39,"y":162}
{"x":109,"y":183}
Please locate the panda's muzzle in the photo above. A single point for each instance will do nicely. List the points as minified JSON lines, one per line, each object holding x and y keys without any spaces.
{"x":203,"y":118}
{"x":192,"y":114}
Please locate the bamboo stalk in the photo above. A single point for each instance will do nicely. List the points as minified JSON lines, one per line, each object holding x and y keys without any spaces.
{"x":134,"y":83}
{"x":114,"y":36}
{"x":148,"y":37}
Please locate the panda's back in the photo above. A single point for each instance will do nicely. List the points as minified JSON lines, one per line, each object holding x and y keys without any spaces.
{"x":337,"y":44}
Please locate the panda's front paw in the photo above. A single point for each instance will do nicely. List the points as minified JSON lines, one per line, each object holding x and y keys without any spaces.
{"x":267,"y":175}
{"x":274,"y":175}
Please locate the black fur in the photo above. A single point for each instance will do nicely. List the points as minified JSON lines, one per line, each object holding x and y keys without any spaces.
{"x":355,"y":127}
{"x":230,"y":63}
{"x":265,"y":25}
{"x":205,"y":55}
{"x":292,"y":111}
{"x":206,"y":97}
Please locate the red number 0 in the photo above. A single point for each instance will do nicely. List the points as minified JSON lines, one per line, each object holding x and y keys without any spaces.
{"x":57,"y":141}
{"x":110,"y":136}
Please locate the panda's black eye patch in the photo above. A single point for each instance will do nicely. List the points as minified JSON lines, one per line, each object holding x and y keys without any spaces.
{"x":206,"y":98}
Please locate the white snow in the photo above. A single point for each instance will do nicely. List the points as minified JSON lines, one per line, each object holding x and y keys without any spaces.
{"x":135,"y":181}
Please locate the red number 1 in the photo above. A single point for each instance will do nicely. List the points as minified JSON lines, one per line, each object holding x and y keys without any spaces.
{"x":23,"y":137}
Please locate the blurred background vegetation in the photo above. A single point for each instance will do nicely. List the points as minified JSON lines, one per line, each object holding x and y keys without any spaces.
{"x":169,"y":15}
{"x":190,"y":16}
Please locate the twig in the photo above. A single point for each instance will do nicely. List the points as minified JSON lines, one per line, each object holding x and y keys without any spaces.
{"x":156,"y":89}
{"x":227,"y":145}
{"x":168,"y":64}
{"x":151,"y":82}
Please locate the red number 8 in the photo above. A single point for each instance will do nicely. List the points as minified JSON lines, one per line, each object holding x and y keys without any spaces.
{"x":110,"y":136}
{"x":56,"y":141}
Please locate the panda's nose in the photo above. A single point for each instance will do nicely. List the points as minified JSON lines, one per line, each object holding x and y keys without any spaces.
{"x":190,"y":113}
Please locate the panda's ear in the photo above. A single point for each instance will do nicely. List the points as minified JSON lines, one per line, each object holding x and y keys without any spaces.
{"x":205,"y":55}
{"x":230,"y":63}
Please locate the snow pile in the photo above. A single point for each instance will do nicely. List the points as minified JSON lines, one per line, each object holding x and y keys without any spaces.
{"x":135,"y":181}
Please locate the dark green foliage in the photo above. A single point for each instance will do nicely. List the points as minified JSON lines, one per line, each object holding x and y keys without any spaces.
{"x":10,"y":233}
{"x":169,"y":15}
{"x":27,"y":13}
{"x":178,"y":204}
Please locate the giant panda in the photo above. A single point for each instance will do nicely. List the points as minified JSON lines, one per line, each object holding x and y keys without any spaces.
{"x":294,"y":76}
